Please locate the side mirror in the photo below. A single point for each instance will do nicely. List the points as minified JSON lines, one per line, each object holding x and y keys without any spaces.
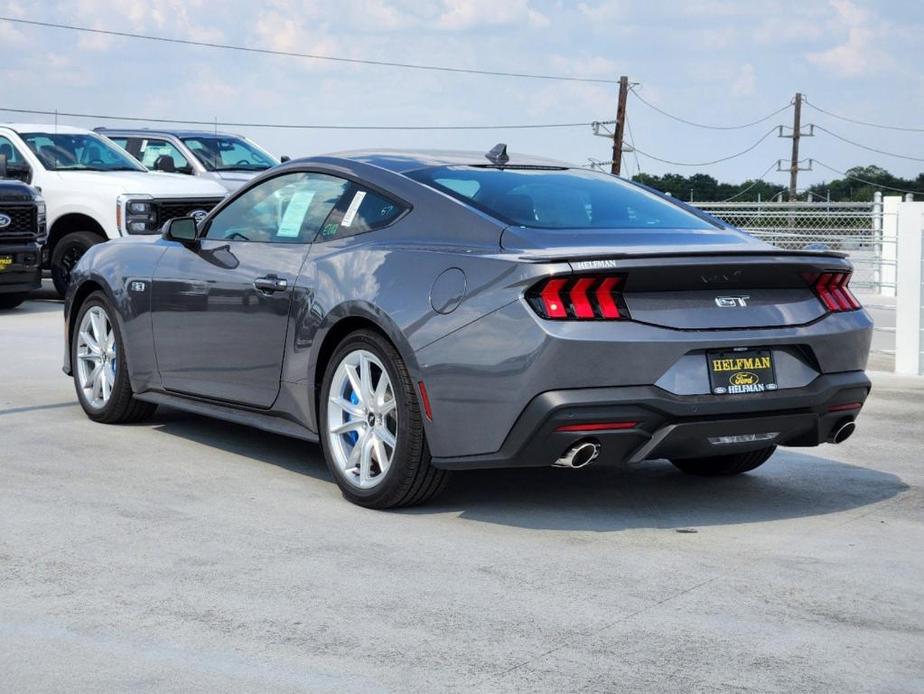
{"x":182,"y":229}
{"x":284,"y":158}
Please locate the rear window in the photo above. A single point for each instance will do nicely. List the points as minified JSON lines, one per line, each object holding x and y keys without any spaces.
{"x":559,"y":198}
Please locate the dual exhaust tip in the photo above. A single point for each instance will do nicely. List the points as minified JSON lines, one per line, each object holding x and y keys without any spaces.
{"x":581,"y":454}
{"x":842,"y":431}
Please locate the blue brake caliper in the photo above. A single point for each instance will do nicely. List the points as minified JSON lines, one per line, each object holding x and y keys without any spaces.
{"x":352,"y":436}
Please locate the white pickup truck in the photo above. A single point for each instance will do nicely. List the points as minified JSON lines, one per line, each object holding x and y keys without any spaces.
{"x":94,"y":190}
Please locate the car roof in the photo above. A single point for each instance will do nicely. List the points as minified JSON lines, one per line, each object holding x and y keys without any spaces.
{"x":164,"y":133}
{"x":401,"y":161}
{"x":45,"y":128}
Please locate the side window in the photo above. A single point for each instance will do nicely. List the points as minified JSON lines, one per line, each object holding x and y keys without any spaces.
{"x":285,"y":209}
{"x":161,"y":155}
{"x":360,"y":211}
{"x":16,"y":165}
{"x":10,"y":152}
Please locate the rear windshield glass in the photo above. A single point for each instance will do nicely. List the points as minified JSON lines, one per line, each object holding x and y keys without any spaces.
{"x":559,"y":198}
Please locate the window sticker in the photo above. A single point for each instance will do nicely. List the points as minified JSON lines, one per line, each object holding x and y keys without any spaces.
{"x":353,"y":209}
{"x":294,"y":217}
{"x":330,"y":229}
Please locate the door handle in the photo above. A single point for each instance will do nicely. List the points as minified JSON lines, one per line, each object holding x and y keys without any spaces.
{"x":270,"y":284}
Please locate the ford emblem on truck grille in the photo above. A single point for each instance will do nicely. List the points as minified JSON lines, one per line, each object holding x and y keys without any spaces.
{"x":5,"y":221}
{"x":198,"y":215}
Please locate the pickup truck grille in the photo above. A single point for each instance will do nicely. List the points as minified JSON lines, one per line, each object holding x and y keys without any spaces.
{"x":168,"y":209}
{"x":23,"y":224}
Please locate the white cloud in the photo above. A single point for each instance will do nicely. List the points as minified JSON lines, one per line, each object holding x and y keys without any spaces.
{"x":745,"y":81}
{"x":862,"y":52}
{"x":469,"y":14}
{"x":606,"y":11}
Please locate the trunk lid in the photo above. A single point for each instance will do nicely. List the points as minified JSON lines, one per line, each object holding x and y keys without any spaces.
{"x":701,"y":291}
{"x":726,"y":292}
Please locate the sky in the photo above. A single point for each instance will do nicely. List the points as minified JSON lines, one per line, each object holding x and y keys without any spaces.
{"x":710,"y":61}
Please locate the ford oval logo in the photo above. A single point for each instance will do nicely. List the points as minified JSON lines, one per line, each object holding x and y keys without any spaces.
{"x":5,"y":221}
{"x":198,"y":215}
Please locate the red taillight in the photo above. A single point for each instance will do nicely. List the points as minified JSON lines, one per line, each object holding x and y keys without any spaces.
{"x":551,"y":299}
{"x":586,"y":297}
{"x":845,"y":407}
{"x":833,"y":291}
{"x":598,"y":426}
{"x":425,"y":399}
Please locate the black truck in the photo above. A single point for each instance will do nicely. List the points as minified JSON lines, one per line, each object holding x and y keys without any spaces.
{"x":22,"y":234}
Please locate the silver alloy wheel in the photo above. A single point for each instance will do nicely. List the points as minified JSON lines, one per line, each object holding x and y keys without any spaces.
{"x":96,"y":357}
{"x":362,"y":419}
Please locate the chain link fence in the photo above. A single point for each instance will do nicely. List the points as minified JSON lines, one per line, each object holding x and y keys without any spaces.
{"x":852,"y":227}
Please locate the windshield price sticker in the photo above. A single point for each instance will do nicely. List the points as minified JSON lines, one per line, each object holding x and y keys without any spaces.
{"x":353,"y":209}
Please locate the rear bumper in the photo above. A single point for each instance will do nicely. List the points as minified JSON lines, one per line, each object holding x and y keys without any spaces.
{"x":672,"y":426}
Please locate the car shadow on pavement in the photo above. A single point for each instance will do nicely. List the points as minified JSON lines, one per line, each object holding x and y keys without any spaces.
{"x":654,"y":494}
{"x":598,"y":498}
{"x":32,"y":306}
{"x":286,"y":452}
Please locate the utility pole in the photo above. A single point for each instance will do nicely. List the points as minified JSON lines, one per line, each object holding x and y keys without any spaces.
{"x":794,"y":162}
{"x":620,"y":128}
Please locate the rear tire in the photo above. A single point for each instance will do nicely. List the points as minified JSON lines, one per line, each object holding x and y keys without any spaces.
{"x":67,"y":253}
{"x":8,"y":301}
{"x":116,"y":403}
{"x":408,"y":477}
{"x":724,"y":465}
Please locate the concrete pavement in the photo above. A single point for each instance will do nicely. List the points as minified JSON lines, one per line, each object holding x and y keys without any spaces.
{"x":191,"y":555}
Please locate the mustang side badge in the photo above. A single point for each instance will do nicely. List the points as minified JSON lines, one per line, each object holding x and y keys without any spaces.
{"x":137,"y":286}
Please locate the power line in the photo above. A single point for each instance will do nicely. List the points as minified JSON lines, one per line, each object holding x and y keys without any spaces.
{"x":866,"y":147}
{"x":714,"y":161}
{"x":862,"y":122}
{"x":310,"y":56}
{"x":638,"y":166}
{"x":871,"y":183}
{"x":289,"y":126}
{"x":705,"y":125}
{"x":757,"y":181}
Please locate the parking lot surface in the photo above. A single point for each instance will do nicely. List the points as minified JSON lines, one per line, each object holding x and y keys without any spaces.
{"x":191,"y":555}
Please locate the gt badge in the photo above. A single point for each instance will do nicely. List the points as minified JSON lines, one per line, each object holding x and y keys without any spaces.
{"x":731,"y":301}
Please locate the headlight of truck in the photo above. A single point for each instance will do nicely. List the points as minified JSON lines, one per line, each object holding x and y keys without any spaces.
{"x":41,"y":218}
{"x":135,"y":214}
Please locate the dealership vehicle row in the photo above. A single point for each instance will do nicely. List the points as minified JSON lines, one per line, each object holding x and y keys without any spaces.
{"x":94,"y":190}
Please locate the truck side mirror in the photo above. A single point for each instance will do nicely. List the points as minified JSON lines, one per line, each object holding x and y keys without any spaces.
{"x":182,"y":229}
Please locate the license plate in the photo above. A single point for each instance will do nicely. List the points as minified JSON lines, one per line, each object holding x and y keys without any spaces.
{"x":5,"y":260}
{"x":741,"y":372}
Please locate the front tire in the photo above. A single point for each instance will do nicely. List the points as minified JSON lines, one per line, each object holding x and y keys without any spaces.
{"x":98,"y":361}
{"x":724,"y":465}
{"x":67,"y":253}
{"x":8,"y":301}
{"x":371,"y":428}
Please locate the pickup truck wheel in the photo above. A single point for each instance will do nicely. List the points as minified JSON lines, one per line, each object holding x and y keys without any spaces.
{"x":98,"y":361}
{"x":723,"y":465}
{"x":68,"y":251}
{"x":8,"y":301}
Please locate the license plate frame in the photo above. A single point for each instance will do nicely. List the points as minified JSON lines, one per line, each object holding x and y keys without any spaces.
{"x":741,"y":371}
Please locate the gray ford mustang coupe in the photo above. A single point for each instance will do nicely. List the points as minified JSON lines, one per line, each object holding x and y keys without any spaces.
{"x":423,"y":312}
